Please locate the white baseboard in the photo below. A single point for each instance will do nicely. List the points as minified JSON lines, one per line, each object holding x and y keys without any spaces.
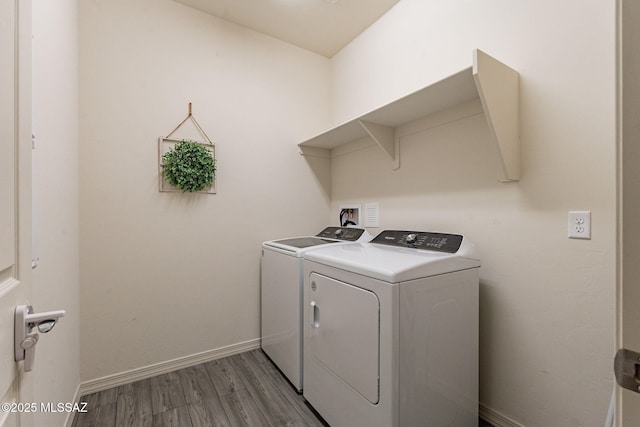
{"x":496,"y":418}
{"x":70,"y":415}
{"x":115,"y":380}
{"x":137,"y":374}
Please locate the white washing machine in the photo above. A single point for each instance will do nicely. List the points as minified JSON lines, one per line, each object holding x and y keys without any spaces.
{"x":391,"y":331}
{"x":281,"y":295}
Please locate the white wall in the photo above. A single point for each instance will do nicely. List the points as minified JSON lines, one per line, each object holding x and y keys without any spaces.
{"x":628,"y":411}
{"x":166,"y":275}
{"x":56,"y":204}
{"x":547,"y":302}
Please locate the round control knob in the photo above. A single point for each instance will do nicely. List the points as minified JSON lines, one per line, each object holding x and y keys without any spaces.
{"x":338,"y":232}
{"x":411,"y":238}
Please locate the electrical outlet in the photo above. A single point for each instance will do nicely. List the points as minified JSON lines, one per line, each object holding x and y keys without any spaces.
{"x":580,"y":224}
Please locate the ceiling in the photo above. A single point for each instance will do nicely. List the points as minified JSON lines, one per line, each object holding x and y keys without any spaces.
{"x":321,"y":26}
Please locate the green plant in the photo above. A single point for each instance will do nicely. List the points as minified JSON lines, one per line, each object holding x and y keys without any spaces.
{"x":189,"y":166}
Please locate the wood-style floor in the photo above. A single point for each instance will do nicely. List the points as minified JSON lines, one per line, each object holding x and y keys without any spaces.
{"x":242,"y":390}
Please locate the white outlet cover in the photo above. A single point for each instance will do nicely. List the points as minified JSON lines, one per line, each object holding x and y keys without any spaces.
{"x":372,"y":215}
{"x":579,"y":225}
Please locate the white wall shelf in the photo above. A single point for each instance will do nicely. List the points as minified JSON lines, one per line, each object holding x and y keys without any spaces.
{"x":496,"y":86}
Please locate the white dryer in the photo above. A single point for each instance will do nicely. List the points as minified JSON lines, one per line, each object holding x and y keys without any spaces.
{"x":391,"y":331}
{"x":281,"y":295}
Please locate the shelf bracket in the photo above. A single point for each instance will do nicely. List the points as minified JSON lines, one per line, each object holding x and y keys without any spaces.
{"x":384,"y":137}
{"x":498,"y":88}
{"x":314,"y":151}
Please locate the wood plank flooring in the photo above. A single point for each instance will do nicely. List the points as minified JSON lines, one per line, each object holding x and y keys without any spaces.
{"x":241,"y":390}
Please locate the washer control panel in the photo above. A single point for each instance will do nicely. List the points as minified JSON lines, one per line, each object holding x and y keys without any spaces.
{"x":426,"y":240}
{"x":341,"y":233}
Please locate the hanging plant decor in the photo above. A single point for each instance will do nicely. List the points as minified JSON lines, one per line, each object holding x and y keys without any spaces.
{"x":189,"y":166}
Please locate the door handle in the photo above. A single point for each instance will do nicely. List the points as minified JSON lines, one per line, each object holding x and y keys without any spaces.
{"x":315,"y":321}
{"x":25,"y":339}
{"x":627,"y":369}
{"x":28,"y":344}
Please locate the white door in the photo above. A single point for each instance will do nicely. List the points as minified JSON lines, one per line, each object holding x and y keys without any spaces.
{"x":15,"y":198}
{"x":628,"y":325}
{"x":345,"y":333}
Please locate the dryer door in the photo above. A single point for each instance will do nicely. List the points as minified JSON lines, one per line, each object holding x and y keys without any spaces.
{"x":345,"y":333}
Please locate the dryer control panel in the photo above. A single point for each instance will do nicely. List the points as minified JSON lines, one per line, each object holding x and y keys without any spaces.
{"x":341,"y":233}
{"x":426,"y":240}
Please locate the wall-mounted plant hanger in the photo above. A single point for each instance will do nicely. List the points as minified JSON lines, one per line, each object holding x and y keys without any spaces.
{"x":187,"y":165}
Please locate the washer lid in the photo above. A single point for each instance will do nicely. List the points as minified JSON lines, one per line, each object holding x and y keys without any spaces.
{"x":297,"y":246}
{"x":394,"y":264}
{"x":330,"y":235}
{"x":301,"y":242}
